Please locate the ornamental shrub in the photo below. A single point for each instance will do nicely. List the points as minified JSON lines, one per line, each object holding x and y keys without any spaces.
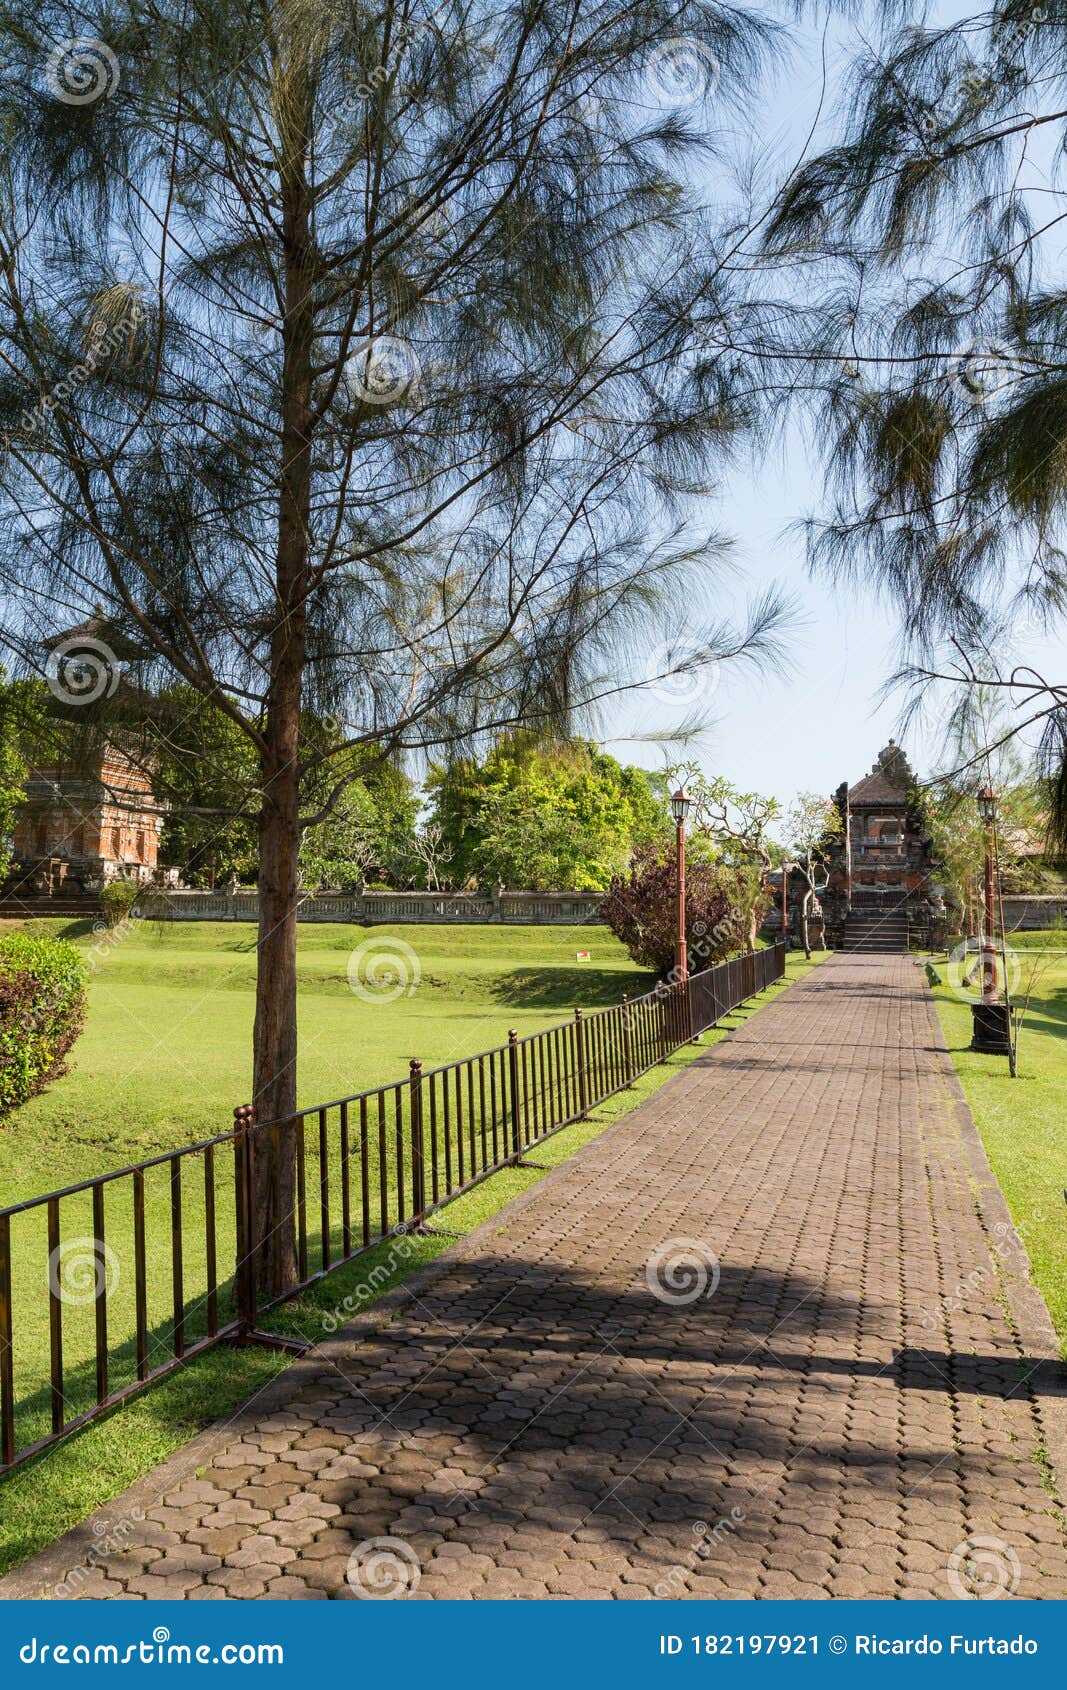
{"x":42,"y":1011}
{"x":641,"y":909}
{"x":118,"y":898}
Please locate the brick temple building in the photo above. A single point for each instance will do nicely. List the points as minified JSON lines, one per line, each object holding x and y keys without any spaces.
{"x":90,"y":815}
{"x":84,"y":824}
{"x":884,"y":887}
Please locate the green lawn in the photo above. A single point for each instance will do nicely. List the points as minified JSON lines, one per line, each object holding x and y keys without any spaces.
{"x":164,"y":1057}
{"x":1023,"y":1122}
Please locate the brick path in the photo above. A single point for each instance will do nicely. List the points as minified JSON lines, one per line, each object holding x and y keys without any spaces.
{"x":869,"y":1385}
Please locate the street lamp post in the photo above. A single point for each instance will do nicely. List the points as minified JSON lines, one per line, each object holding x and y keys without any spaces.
{"x":991,"y":1026}
{"x":680,"y":802}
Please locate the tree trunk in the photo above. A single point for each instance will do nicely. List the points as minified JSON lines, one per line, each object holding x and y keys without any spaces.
{"x":274,"y":1038}
{"x":275,"y":1035}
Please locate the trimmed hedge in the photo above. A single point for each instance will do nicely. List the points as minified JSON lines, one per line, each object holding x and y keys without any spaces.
{"x":42,"y":1011}
{"x":118,"y":898}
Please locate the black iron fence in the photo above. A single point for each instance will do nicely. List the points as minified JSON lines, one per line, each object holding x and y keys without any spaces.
{"x":110,"y":1284}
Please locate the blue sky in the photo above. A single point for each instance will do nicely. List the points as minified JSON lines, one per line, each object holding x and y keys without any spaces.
{"x":825,"y":721}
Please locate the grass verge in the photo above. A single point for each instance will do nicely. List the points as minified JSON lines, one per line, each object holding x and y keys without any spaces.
{"x":1022,"y":1121}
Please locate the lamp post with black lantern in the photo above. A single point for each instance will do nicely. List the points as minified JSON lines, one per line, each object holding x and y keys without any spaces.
{"x":991,"y":1025}
{"x":680,"y":803}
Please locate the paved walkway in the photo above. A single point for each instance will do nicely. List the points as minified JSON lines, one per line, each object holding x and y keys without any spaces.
{"x":859,"y":1400}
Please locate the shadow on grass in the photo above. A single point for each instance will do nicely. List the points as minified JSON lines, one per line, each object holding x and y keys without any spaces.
{"x":565,"y":989}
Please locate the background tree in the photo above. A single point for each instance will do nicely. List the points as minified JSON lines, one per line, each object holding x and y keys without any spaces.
{"x":939,"y":353}
{"x":367,"y":829}
{"x":204,"y":773}
{"x":340,"y":851}
{"x":21,"y":723}
{"x":428,"y":852}
{"x":950,"y":812}
{"x":357,"y":370}
{"x":812,"y":824}
{"x":544,"y":814}
{"x":736,"y":826}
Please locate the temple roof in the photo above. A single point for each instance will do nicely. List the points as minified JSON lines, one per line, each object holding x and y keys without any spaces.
{"x":97,"y":629}
{"x":888,"y":782}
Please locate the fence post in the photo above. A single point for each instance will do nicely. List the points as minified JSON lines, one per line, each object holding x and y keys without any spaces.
{"x":513,"y":1070}
{"x":583,"y":1083}
{"x":7,"y":1356}
{"x":628,"y":1042}
{"x":418,"y":1168}
{"x":245,"y":1273}
{"x":661,"y":1000}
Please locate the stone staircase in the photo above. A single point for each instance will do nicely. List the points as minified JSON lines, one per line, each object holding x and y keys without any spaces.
{"x":872,"y":929}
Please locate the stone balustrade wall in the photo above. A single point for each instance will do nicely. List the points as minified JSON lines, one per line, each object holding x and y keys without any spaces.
{"x":372,"y":909}
{"x":1023,"y":911}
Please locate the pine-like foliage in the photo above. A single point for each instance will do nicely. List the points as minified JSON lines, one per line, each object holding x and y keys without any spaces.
{"x":373,"y":328}
{"x":932,"y":236}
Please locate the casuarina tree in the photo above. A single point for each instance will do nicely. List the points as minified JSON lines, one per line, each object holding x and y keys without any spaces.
{"x":362,"y":361}
{"x":928,"y":238}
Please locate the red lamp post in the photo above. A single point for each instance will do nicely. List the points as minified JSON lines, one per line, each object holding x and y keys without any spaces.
{"x":680,"y":802}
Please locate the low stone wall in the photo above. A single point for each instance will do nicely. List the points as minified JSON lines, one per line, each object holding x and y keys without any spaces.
{"x":372,"y":909}
{"x":1034,"y":910}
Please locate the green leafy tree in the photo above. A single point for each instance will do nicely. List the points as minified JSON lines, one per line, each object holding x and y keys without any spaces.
{"x":363,"y":363}
{"x":396,"y":807}
{"x":544,"y":815}
{"x":21,"y":725}
{"x":339,"y":851}
{"x":959,"y":838}
{"x":204,"y":772}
